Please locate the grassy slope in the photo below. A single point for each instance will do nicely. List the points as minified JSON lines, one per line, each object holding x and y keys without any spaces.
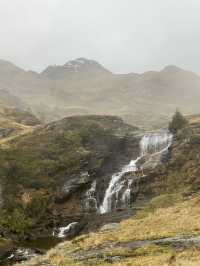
{"x":176,"y":211}
{"x":13,"y":123}
{"x":62,"y":148}
{"x":36,"y":165}
{"x":181,"y":218}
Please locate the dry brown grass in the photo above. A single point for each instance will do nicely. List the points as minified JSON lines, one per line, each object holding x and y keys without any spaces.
{"x":182,"y":218}
{"x":145,"y":257}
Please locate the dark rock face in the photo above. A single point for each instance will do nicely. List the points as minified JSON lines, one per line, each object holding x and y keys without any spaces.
{"x":71,"y":186}
{"x":112,"y":150}
{"x":81,"y":188}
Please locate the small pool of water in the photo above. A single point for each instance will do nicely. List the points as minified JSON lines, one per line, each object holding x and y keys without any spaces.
{"x":43,"y":244}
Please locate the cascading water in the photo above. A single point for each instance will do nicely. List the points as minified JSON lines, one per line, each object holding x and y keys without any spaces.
{"x":64,"y":230}
{"x":151,"y":144}
{"x":115,"y":186}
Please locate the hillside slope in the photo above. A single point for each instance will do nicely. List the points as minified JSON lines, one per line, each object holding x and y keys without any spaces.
{"x":45,"y":174}
{"x":165,"y":236}
{"x":164,"y":232}
{"x":15,"y":122}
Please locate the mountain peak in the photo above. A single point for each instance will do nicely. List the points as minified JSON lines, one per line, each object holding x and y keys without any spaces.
{"x":9,"y":66}
{"x":79,"y":65}
{"x":172,"y":68}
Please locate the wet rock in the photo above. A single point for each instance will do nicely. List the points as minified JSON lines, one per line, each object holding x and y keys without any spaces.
{"x":90,"y":199}
{"x":72,"y":185}
{"x":69,"y":230}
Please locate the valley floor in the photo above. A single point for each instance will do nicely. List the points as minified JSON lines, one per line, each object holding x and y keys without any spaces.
{"x":167,"y":232}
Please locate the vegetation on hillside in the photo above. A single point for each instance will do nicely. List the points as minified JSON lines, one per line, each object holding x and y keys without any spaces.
{"x":178,"y":122}
{"x":35,"y":167}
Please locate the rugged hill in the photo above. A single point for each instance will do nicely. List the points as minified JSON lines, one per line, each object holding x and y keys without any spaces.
{"x":46,"y":173}
{"x":14,"y":121}
{"x":164,"y":232}
{"x":83,"y":86}
{"x":8,"y":99}
{"x":182,"y":172}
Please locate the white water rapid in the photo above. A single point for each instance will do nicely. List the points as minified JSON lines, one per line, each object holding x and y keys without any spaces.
{"x":151,"y":144}
{"x":62,"y":231}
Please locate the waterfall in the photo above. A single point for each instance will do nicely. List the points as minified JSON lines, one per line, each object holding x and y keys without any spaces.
{"x":115,"y":186}
{"x":151,"y":144}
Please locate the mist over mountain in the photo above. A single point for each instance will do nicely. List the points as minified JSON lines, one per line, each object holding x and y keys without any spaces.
{"x":99,"y":133}
{"x":84,"y":86}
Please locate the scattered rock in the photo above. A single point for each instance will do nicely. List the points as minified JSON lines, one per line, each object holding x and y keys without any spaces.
{"x":113,"y":259}
{"x":108,"y":227}
{"x":23,"y":254}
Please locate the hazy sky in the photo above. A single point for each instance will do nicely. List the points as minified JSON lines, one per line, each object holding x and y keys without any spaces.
{"x":123,"y":35}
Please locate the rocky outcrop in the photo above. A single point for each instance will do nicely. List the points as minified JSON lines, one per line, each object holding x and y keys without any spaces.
{"x":177,"y":243}
{"x":71,"y":186}
{"x":108,"y":227}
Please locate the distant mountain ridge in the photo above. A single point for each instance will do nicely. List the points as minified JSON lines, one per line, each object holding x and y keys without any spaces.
{"x":84,"y":86}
